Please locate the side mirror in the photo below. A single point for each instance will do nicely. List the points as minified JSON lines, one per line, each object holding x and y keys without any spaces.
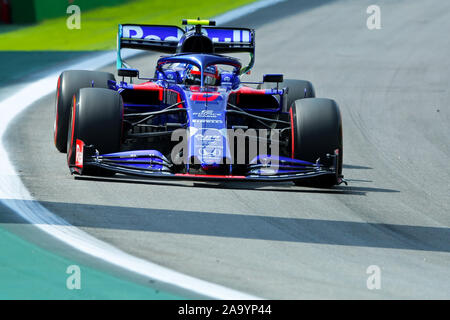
{"x":132,"y":73}
{"x":273,"y":78}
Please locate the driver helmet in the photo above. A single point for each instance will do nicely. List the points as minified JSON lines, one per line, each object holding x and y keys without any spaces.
{"x":193,"y":75}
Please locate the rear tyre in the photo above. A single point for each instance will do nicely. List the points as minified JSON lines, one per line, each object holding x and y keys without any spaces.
{"x":317,"y":126}
{"x":69,"y":82}
{"x":297,"y":89}
{"x":96,"y":119}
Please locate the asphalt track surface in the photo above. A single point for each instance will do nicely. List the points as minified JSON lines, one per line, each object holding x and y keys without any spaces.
{"x":278,"y":240}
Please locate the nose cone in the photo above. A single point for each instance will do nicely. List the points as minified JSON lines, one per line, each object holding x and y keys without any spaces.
{"x":207,"y":126}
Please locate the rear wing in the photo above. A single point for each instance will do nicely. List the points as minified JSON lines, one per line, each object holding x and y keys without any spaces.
{"x":149,"y":37}
{"x":166,"y":39}
{"x":228,"y":40}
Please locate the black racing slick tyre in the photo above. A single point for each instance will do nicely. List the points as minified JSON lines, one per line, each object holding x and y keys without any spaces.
{"x":69,"y":82}
{"x":317,"y":131}
{"x":297,"y":89}
{"x":96,"y":119}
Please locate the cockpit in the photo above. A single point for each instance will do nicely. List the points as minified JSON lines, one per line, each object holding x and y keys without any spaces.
{"x":186,"y":71}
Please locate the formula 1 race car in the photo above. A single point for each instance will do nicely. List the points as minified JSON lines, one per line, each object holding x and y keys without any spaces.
{"x":195,"y":118}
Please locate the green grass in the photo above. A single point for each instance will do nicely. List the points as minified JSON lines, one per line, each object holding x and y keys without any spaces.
{"x":99,"y":26}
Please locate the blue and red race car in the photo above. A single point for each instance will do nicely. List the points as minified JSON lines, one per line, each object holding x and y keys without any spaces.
{"x":195,"y":118}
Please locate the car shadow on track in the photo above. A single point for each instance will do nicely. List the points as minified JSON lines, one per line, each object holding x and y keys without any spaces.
{"x":233,"y":185}
{"x":240,"y":226}
{"x":352,"y":166}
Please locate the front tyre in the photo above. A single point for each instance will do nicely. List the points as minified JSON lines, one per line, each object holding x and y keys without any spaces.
{"x":69,"y":82}
{"x":95,"y":119}
{"x":317,"y":131}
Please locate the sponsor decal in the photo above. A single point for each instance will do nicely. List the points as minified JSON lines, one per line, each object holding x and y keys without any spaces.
{"x":207,"y":138}
{"x":169,"y":33}
{"x":228,"y":35}
{"x":155,"y":33}
{"x":207,"y":121}
{"x":207,"y":114}
{"x":209,"y":146}
{"x":79,"y":153}
{"x":209,"y":153}
{"x":205,"y":97}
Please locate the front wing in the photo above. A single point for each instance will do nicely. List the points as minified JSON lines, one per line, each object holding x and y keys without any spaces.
{"x":151,"y":163}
